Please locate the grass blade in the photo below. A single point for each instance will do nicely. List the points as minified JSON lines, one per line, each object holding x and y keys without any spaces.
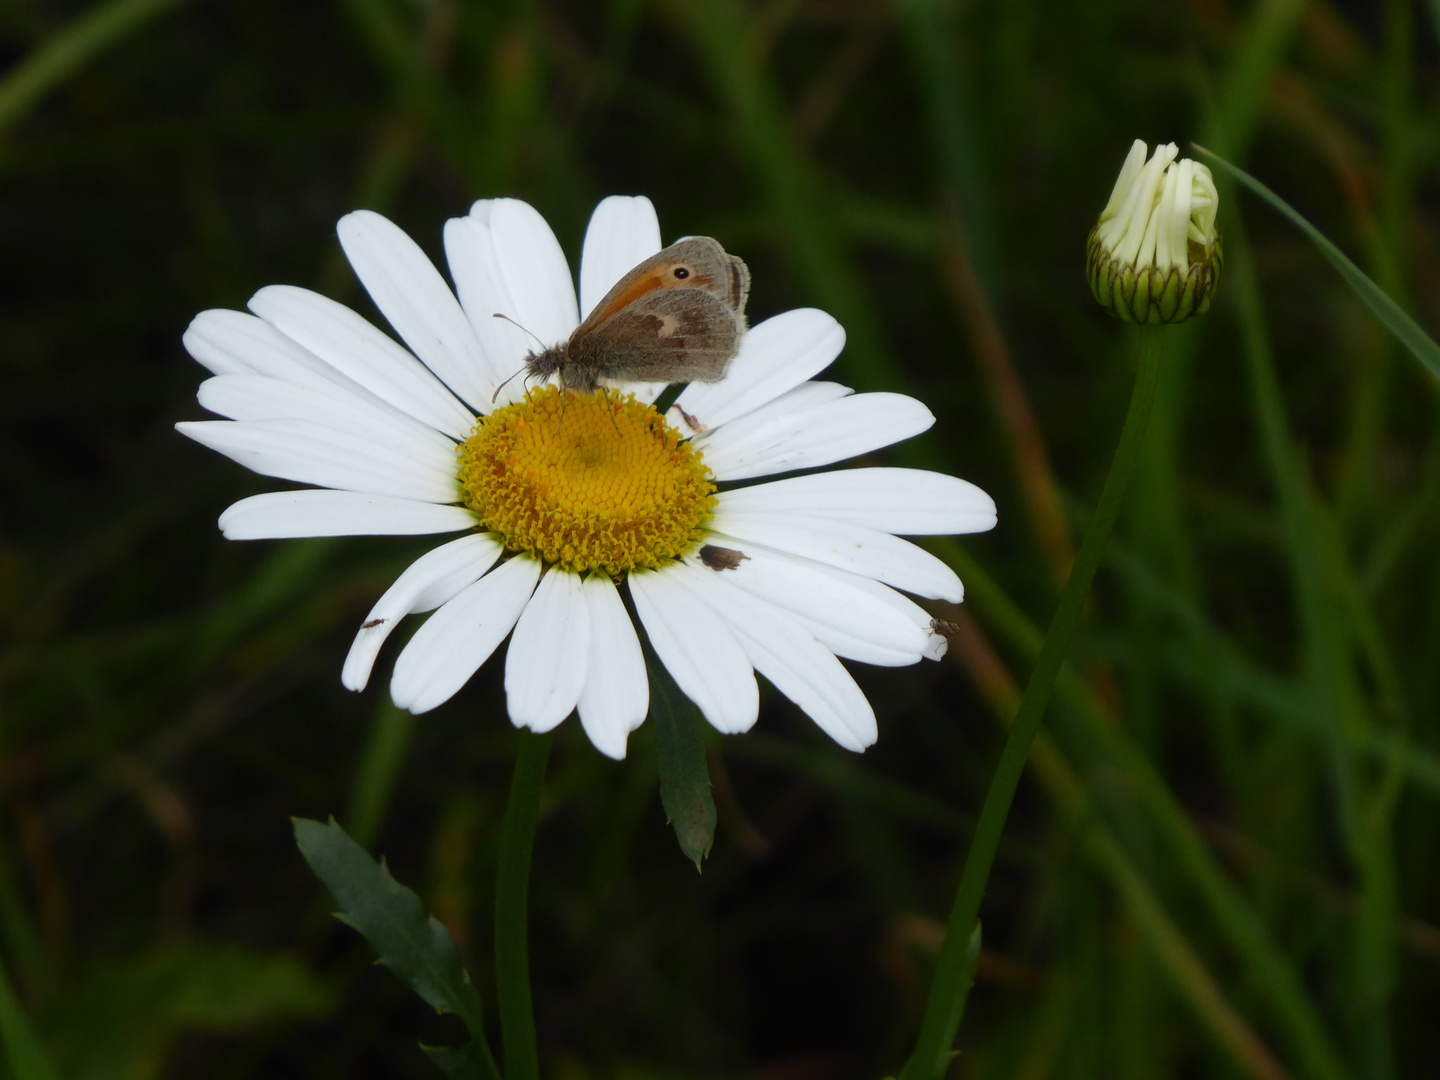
{"x":1406,"y":330}
{"x":68,"y":50}
{"x":23,"y":1053}
{"x":1266,"y":964}
{"x":380,"y":763}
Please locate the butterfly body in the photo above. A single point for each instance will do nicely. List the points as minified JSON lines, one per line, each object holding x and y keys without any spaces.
{"x":677,"y":317}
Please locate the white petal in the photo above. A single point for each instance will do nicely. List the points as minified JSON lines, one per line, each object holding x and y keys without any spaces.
{"x":533,"y":267}
{"x":412,"y":295}
{"x":847,"y":620}
{"x":936,"y":643}
{"x":781,"y":440}
{"x":457,"y":639}
{"x":428,"y":582}
{"x":348,"y":343}
{"x":910,"y":502}
{"x":806,"y":396}
{"x":310,"y":454}
{"x":617,"y":689}
{"x":549,"y":653}
{"x":481,"y":287}
{"x":218,"y":339}
{"x":1172,"y":217}
{"x":779,"y":354}
{"x":697,"y":648}
{"x":237,"y":343}
{"x":787,"y":654}
{"x":285,"y":514}
{"x":1129,"y":171}
{"x":869,"y":552}
{"x":623,"y":233}
{"x":253,"y":397}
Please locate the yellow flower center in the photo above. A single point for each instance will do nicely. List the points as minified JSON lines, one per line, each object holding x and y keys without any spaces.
{"x":586,"y":482}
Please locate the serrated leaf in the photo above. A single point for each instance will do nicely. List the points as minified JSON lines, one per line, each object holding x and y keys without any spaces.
{"x":414,"y":946}
{"x":1406,"y":330}
{"x":680,"y":760}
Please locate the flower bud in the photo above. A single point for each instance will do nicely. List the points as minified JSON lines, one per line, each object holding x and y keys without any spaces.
{"x":1154,"y":257}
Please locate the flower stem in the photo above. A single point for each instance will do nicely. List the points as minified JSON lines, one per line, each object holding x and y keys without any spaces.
{"x":947,"y":992}
{"x":512,"y":887}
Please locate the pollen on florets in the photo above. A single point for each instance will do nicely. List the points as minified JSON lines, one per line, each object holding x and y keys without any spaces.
{"x":587,"y":481}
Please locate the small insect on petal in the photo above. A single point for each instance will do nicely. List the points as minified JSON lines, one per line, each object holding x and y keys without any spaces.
{"x":722,"y":558}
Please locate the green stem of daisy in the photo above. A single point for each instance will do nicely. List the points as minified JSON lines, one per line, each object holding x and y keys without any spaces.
{"x":946,"y":1004}
{"x":512,"y":889}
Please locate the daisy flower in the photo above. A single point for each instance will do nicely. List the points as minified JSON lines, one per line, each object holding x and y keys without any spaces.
{"x":558,"y":514}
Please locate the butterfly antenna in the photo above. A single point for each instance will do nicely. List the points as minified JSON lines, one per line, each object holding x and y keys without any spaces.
{"x":496,"y":315}
{"x":496,"y":395}
{"x":512,"y":322}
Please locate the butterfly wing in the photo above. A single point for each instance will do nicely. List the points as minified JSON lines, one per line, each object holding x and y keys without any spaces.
{"x":697,"y":263}
{"x":677,"y":317}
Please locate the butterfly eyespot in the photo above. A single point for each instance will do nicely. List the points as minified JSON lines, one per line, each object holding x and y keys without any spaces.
{"x":682,"y":272}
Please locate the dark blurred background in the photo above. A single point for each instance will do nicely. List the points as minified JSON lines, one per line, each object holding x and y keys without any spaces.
{"x":1223,"y":860}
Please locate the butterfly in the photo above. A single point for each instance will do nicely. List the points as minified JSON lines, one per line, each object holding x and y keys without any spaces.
{"x":677,"y":317}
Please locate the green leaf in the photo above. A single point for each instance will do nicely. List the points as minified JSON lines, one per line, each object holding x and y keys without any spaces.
{"x":680,"y":760}
{"x":420,"y":951}
{"x":1406,"y":330}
